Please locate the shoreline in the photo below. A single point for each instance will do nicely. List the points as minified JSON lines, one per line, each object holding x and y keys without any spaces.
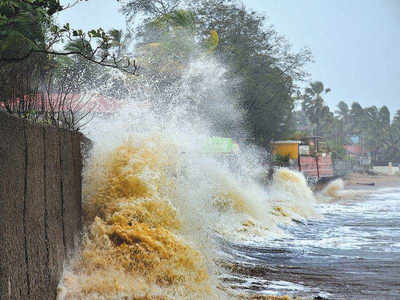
{"x":361,"y":181}
{"x":355,"y":188}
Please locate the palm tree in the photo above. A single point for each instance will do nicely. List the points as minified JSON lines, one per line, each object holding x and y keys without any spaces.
{"x":393,"y":141}
{"x":344,"y":120}
{"x":357,"y":116}
{"x":371,"y":126}
{"x":343,"y":111}
{"x":314,"y":106}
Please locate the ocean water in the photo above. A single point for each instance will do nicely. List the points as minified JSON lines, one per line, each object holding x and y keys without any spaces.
{"x":165,"y":219}
{"x":162,"y":225}
{"x":353,"y":252}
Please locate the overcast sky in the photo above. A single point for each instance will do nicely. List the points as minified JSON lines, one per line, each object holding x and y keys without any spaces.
{"x":355,"y":43}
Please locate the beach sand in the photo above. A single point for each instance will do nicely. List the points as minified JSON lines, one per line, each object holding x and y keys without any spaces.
{"x":356,"y":181}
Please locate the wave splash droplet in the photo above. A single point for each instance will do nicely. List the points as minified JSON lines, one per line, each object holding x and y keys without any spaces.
{"x":154,"y":201}
{"x":134,"y":246}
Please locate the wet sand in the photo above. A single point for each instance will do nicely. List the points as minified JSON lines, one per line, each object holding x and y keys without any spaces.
{"x":362,"y":181}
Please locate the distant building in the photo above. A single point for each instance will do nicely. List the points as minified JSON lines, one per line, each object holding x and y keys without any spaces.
{"x":354,"y":150}
{"x":304,"y":157}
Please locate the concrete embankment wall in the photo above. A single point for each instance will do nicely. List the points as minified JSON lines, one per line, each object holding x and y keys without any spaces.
{"x":40,"y":206}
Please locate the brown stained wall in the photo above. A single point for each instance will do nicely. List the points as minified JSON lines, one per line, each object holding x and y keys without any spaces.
{"x":40,"y":206}
{"x":55,"y":233}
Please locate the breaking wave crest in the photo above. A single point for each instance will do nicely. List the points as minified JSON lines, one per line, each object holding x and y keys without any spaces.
{"x":148,"y":237}
{"x":135,"y":246}
{"x":291,"y":195}
{"x":154,"y":201}
{"x":334,"y":189}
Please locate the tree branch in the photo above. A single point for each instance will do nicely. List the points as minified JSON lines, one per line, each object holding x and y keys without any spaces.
{"x":102,"y":62}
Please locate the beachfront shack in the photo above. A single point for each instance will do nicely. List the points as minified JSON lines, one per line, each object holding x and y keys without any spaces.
{"x":306,"y":156}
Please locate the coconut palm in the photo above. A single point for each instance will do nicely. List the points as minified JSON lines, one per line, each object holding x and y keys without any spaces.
{"x":314,"y":106}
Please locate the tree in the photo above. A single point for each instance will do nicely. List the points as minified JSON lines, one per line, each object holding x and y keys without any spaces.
{"x":383,"y":133}
{"x":256,"y":55}
{"x":314,"y":107}
{"x":167,"y":43}
{"x":30,"y":64}
{"x":261,"y":59}
{"x":357,"y":118}
{"x":27,"y":27}
{"x":393,"y":141}
{"x":152,"y":8}
{"x":343,"y":123}
{"x":343,"y":111}
{"x":370,"y":130}
{"x":378,"y":136}
{"x":384,"y":120}
{"x":343,"y":114}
